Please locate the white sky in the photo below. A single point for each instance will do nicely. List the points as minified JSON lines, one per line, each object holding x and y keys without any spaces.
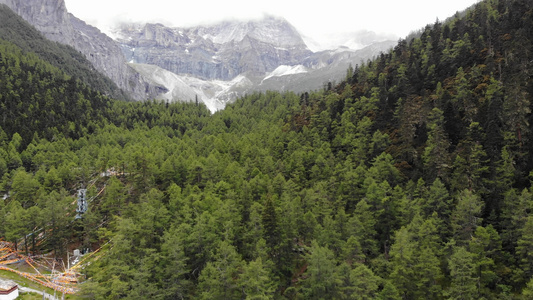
{"x":312,"y":18}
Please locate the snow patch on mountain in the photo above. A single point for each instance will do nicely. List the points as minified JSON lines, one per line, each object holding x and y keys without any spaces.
{"x":176,"y":86}
{"x":213,"y":93}
{"x":269,"y":29}
{"x":220,"y":62}
{"x":285,"y":70}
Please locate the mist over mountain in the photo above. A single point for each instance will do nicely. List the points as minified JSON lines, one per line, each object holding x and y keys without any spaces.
{"x":351,"y":39}
{"x":214,"y":63}
{"x":410,"y":178}
{"x":232,"y":58}
{"x":221,"y":51}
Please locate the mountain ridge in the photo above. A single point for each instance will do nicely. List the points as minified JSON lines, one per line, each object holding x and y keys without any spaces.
{"x":52,"y":19}
{"x":215,"y":54}
{"x":226,"y":50}
{"x":410,"y":179}
{"x":16,"y":30}
{"x":219,"y":51}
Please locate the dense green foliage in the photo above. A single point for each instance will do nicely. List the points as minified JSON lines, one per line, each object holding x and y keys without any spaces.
{"x":17,"y":31}
{"x":409,"y":180}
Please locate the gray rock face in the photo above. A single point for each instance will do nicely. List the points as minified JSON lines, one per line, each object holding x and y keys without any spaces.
{"x":51,"y":18}
{"x":221,"y":62}
{"x":214,"y":63}
{"x":220,"y":51}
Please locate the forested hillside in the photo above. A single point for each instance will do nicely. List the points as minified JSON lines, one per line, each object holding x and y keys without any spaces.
{"x":410,"y":180}
{"x":17,"y":31}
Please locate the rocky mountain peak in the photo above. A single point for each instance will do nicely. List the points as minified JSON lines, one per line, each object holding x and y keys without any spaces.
{"x":215,"y":63}
{"x":49,"y":17}
{"x":269,"y":29}
{"x":52,"y":19}
{"x":218,"y":51}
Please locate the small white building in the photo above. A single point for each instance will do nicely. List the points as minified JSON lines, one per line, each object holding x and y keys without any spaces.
{"x":9,"y":290}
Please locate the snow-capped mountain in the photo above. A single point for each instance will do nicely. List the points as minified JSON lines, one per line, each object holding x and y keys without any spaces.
{"x":354,"y":40}
{"x":222,"y":51}
{"x":232,"y":58}
{"x":214,"y":64}
{"x":213,"y":93}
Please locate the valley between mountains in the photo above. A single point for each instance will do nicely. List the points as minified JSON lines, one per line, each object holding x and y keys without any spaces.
{"x":235,"y":160}
{"x":212,"y":64}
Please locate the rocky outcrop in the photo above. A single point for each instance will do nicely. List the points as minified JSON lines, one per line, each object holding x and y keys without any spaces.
{"x":51,"y":18}
{"x":220,"y":62}
{"x":214,"y":64}
{"x":220,"y":51}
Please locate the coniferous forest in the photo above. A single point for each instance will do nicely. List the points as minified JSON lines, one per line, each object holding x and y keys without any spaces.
{"x":411,"y":179}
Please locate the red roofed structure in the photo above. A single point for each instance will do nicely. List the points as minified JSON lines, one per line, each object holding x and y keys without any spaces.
{"x":9,"y":290}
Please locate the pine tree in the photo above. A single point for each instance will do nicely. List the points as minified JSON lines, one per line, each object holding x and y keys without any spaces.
{"x":362,"y":225}
{"x":323,"y":280}
{"x":402,"y":255}
{"x":439,"y":201}
{"x":466,"y":216}
{"x":218,"y":279}
{"x":429,"y":275}
{"x":389,"y":292}
{"x":485,"y":247}
{"x":256,"y":281}
{"x":15,"y":220}
{"x":463,"y":282}
{"x":527,"y":292}
{"x":470,"y":166}
{"x":271,"y":231}
{"x":364,"y":284}
{"x":524,"y":251}
{"x":436,"y":155}
{"x":175,"y":284}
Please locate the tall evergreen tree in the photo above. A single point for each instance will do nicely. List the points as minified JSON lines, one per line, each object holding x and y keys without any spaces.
{"x":436,"y":155}
{"x":323,"y":280}
{"x":463,"y":281}
{"x":218,"y":280}
{"x":466,"y":216}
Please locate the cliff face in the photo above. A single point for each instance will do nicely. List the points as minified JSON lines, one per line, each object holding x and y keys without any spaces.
{"x":221,"y":51}
{"x":214,"y":63}
{"x":223,"y":61}
{"x":51,"y":18}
